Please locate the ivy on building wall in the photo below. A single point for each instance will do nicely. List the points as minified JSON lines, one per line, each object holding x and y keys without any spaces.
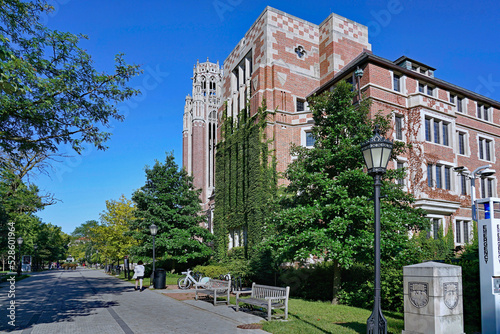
{"x":245,"y":180}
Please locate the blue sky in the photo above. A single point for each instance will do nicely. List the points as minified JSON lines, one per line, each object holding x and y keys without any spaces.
{"x":458,"y":38}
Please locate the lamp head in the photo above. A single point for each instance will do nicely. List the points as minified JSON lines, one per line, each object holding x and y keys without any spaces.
{"x":377,"y":152}
{"x":487,"y":172}
{"x":153,"y":229}
{"x":461,"y":170}
{"x":20,"y":241}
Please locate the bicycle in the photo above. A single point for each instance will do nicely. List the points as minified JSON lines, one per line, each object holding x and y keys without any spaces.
{"x":186,"y":282}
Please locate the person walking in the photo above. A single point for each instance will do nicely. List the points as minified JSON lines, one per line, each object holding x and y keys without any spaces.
{"x":138,"y":274}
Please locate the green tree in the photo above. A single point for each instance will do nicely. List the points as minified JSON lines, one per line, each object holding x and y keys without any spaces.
{"x":110,"y":237}
{"x":169,"y":201}
{"x":50,"y":92}
{"x":328,"y":212}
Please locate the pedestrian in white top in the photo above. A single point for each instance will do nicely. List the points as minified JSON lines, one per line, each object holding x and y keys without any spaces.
{"x":139,"y":274}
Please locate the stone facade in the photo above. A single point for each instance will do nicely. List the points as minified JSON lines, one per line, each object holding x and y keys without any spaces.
{"x":284,"y":59}
{"x":200,"y":129}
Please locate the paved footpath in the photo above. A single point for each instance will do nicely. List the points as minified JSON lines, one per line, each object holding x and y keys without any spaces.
{"x":89,"y":301}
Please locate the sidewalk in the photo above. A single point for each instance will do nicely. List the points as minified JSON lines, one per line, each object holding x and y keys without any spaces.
{"x":88,"y":301}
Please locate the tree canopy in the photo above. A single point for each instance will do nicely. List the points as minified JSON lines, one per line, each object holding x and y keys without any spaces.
{"x":169,"y":201}
{"x":50,"y":91}
{"x":328,"y":211}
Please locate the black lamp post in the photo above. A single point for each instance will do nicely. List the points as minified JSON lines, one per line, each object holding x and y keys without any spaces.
{"x":377,"y":152}
{"x":153,"y":229}
{"x":19,"y":242}
{"x":35,"y":246}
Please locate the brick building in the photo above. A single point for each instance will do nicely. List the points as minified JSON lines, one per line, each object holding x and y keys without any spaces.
{"x":285,"y":59}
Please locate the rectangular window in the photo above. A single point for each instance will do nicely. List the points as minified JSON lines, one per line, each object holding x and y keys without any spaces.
{"x":398,"y":127}
{"x":300,"y":105}
{"x":485,"y":113}
{"x":479,"y":115}
{"x":483,"y":188}
{"x":401,"y":181}
{"x":458,"y":232}
{"x":439,"y":183}
{"x":485,"y":146}
{"x":461,"y":143}
{"x":445,"y":134}
{"x":447,"y":178}
{"x":435,"y":228}
{"x":397,"y":83}
{"x":430,"y":91}
{"x":421,"y":87}
{"x":310,"y":140}
{"x":427,"y":129}
{"x":466,"y":232}
{"x":452,"y":98}
{"x":490,"y":187}
{"x":436,"y":132}
{"x":459,"y":104}
{"x":463,"y":184}
{"x":429,"y":176}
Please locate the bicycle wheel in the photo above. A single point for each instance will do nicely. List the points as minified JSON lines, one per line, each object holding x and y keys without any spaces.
{"x":183,"y":283}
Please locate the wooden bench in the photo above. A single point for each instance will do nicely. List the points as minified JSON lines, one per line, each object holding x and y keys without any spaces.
{"x":215,"y":288}
{"x":265,"y":296}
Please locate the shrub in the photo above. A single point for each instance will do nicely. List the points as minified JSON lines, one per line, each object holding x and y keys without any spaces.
{"x":212,"y":271}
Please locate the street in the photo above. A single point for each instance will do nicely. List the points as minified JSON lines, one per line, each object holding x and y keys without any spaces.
{"x":89,"y":301}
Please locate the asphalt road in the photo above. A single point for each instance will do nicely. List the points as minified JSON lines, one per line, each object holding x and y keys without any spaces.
{"x":89,"y":301}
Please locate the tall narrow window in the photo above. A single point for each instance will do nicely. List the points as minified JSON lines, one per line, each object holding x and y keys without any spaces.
{"x":459,"y":105}
{"x":399,"y":127}
{"x":479,"y":111}
{"x":439,"y":183}
{"x":435,"y":228}
{"x":452,"y":98}
{"x":397,"y":83}
{"x":401,"y":181}
{"x":458,"y":232}
{"x":436,"y":132}
{"x":463,"y":184}
{"x":485,"y":113}
{"x":445,"y":134}
{"x":429,"y":176}
{"x":481,"y":145}
{"x":461,"y":143}
{"x":466,"y":232}
{"x":447,"y":178}
{"x":427,"y":129}
{"x":483,"y":188}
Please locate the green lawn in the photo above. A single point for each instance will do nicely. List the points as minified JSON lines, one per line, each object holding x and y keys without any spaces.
{"x":323,"y":317}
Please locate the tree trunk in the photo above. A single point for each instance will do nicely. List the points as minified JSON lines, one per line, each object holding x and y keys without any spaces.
{"x":336,"y":281}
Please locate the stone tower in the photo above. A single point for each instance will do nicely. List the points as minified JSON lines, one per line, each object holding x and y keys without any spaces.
{"x":200,"y":128}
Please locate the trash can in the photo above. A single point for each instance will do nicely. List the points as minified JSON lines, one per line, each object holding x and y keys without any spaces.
{"x":160,"y":279}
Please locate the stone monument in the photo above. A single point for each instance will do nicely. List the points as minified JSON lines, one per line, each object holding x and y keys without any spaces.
{"x":433,"y":299}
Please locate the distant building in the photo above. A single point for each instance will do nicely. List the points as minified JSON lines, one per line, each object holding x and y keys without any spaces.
{"x":285,"y":59}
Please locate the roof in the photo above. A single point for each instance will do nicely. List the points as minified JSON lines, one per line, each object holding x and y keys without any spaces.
{"x":367,"y":57}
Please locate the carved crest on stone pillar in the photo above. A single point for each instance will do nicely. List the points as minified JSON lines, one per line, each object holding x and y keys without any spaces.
{"x":418,"y":292}
{"x":450,"y":290}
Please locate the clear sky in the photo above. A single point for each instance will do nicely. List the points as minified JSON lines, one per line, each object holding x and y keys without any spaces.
{"x":458,"y":38}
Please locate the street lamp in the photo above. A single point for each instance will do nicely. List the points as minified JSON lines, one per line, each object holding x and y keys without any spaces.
{"x":35,"y":246}
{"x":483,"y":171}
{"x":153,"y":229}
{"x":19,"y":242}
{"x":377,"y":152}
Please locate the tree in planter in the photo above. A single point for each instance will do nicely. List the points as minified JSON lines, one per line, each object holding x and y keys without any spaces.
{"x":169,"y":201}
{"x":328,"y":212}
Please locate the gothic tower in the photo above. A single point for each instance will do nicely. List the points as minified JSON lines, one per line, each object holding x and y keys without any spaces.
{"x":200,"y":129}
